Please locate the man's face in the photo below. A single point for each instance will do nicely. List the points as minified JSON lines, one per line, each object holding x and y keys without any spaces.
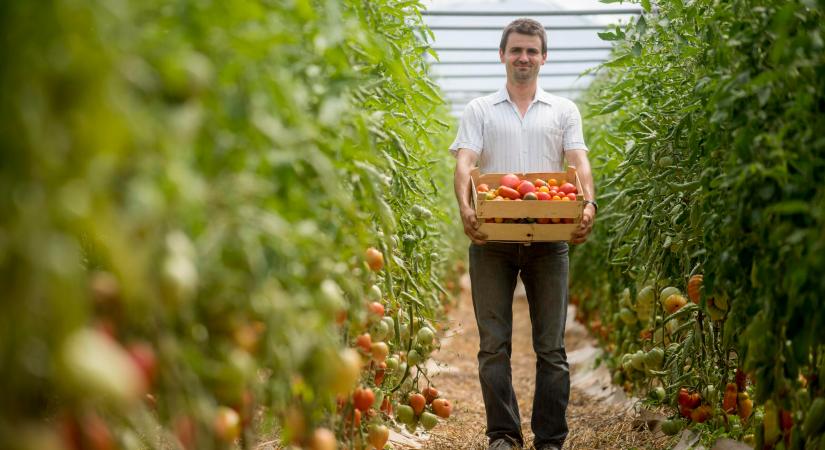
{"x":522,"y":57}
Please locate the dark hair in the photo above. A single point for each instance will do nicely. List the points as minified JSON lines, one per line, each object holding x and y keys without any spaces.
{"x":524,"y":26}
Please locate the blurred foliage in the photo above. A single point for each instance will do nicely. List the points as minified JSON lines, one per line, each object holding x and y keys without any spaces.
{"x":204,"y":178}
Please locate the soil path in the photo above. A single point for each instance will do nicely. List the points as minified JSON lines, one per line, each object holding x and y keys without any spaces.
{"x":599,"y":416}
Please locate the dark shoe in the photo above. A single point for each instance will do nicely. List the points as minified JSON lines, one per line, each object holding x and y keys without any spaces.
{"x":503,"y":444}
{"x":549,"y":447}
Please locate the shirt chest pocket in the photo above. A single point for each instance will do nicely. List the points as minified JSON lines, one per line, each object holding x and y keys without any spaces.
{"x":551,"y":141}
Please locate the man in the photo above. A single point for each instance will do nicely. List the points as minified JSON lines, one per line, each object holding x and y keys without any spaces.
{"x":520,"y":129}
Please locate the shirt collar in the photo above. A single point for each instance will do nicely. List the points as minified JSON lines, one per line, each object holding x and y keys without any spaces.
{"x":541,"y":95}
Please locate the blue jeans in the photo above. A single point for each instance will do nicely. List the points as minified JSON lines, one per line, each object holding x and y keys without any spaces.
{"x":494,"y":268}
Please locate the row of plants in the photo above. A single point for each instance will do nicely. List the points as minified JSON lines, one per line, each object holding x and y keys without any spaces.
{"x":703,"y":277}
{"x":223,"y":223}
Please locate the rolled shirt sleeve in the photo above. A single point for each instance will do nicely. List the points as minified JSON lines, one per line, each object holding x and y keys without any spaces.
{"x":470,"y":130}
{"x":573,"y":135}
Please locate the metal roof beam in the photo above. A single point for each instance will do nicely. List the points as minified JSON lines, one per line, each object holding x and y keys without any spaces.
{"x":495,"y":49}
{"x":502,"y":76}
{"x":549,"y":61}
{"x":592,"y":12}
{"x":498,"y":28}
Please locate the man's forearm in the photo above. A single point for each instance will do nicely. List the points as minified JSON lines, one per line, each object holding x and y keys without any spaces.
{"x":462,"y":187}
{"x":579,"y":159}
{"x":586,"y":178}
{"x":461,"y":182}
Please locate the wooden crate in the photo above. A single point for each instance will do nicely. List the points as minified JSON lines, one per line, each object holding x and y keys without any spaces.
{"x":527,"y":232}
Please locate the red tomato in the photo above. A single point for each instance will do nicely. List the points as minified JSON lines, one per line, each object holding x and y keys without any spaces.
{"x":376,"y":309}
{"x":442,"y":407}
{"x":482,"y":188}
{"x":364,"y":342}
{"x":543,"y":195}
{"x":430,"y":393}
{"x":571,"y":196}
{"x":417,"y":401}
{"x":526,"y":187}
{"x":683,"y":397}
{"x":363,"y":398}
{"x":694,"y":400}
{"x":508,"y":192}
{"x":567,"y":188}
{"x":539,"y":182}
{"x":701,"y":414}
{"x":510,"y":180}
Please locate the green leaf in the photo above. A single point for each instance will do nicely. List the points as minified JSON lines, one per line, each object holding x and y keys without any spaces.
{"x":641,"y":25}
{"x":646,"y":5}
{"x":621,"y":61}
{"x":610,"y":107}
{"x":790,"y":207}
{"x":608,"y":36}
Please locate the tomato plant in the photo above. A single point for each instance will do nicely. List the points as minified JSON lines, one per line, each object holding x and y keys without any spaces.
{"x":692,"y":122}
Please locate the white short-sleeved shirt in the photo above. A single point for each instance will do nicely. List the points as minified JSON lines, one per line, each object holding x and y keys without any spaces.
{"x":506,"y":142}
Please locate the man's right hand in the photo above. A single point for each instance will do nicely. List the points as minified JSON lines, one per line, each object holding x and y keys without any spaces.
{"x":471,"y":224}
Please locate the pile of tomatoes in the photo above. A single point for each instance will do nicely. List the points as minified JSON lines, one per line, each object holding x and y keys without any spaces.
{"x":512,"y":188}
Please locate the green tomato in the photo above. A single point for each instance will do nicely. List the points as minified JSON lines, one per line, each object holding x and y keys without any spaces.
{"x":390,"y":327}
{"x":657,"y":394}
{"x":627,"y":316}
{"x":405,"y":414}
{"x":428,"y":420}
{"x":671,"y":427}
{"x":379,"y":331}
{"x":374,"y":294}
{"x":425,"y":336}
{"x":667,"y":292}
{"x":413,"y":357}
{"x":646,"y":296}
{"x":392,"y":364}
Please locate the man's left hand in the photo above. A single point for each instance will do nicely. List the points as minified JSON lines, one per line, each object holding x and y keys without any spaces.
{"x":585,"y":226}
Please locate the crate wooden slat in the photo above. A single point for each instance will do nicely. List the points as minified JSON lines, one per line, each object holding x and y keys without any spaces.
{"x":528,"y":232}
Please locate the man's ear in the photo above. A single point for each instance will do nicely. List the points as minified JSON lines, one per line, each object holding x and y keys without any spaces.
{"x":501,"y":55}
{"x":543,"y":58}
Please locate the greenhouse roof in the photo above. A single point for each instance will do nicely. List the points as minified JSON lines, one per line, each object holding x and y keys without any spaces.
{"x":467,"y":35}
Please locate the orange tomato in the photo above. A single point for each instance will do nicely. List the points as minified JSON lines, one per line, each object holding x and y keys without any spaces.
{"x":375,"y":259}
{"x":694,"y":288}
